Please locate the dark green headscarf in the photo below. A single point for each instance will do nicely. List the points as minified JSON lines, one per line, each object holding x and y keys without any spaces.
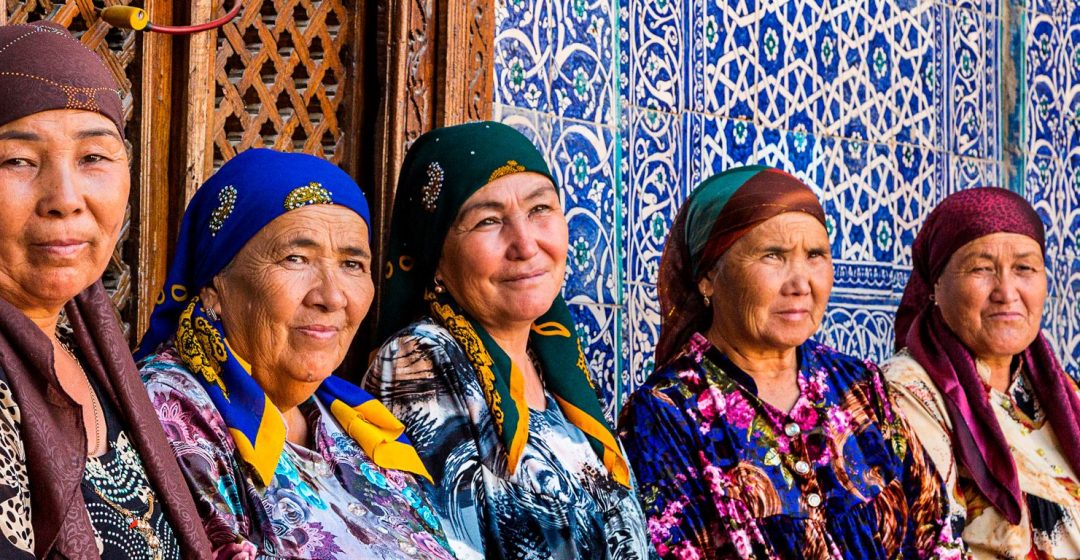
{"x":442,"y":169}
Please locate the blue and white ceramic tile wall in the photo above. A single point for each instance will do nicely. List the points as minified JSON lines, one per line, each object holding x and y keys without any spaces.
{"x":883,"y":106}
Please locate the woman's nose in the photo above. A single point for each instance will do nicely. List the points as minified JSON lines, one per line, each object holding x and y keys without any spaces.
{"x":523,"y":240}
{"x":327,"y":293}
{"x":60,"y":194}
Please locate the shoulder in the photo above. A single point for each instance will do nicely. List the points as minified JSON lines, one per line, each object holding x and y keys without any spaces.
{"x":915,"y":393}
{"x":182,"y":404}
{"x":419,"y":349}
{"x":164,"y":374}
{"x":839,"y":364}
{"x":424,"y":335}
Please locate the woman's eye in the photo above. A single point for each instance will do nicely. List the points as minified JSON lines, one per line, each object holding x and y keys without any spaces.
{"x":487,"y":222}
{"x":93,"y":158}
{"x":16,"y":162}
{"x":359,"y":266}
{"x":540,"y":209}
{"x":295,"y":259}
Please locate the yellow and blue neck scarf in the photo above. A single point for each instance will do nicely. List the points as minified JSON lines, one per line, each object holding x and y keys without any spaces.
{"x":245,"y":195}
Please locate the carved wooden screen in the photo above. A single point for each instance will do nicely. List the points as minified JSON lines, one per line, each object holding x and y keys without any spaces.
{"x":127,"y":57}
{"x":354,"y":81}
{"x":283,"y":75}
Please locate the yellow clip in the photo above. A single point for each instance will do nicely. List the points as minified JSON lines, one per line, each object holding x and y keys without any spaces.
{"x":126,"y":17}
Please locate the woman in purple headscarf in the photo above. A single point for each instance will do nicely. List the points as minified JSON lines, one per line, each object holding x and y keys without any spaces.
{"x":979,"y":382}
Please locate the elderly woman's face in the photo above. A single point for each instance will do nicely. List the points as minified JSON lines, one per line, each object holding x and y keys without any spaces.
{"x":770,"y":289}
{"x":292,"y":298}
{"x":64,"y":180}
{"x":992,"y":292}
{"x":505,"y":255}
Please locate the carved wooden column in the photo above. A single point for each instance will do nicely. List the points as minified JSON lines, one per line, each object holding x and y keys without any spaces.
{"x":435,"y":63}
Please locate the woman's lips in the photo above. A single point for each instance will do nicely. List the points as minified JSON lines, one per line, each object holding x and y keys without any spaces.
{"x":793,"y":314}
{"x":62,"y":247}
{"x":524,"y":277}
{"x":319,"y":332}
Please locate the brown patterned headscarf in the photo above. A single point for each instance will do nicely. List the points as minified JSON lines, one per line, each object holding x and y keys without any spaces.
{"x":723,"y":209}
{"x":979,"y":443}
{"x":42,"y":67}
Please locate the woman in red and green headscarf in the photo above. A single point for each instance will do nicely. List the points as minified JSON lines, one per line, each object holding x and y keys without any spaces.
{"x":751,"y":440}
{"x":482,"y":361}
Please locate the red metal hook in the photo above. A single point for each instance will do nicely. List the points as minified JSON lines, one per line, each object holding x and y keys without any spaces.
{"x":130,"y":17}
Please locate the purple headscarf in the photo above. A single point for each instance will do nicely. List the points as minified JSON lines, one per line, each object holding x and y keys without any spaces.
{"x":977,"y":438}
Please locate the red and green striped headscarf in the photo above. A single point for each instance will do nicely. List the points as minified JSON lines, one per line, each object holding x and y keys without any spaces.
{"x":720,"y":211}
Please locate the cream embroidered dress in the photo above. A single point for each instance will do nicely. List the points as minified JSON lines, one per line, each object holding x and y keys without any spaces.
{"x":1050,"y":526}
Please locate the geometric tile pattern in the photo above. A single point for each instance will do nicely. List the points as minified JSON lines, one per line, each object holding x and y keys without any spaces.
{"x":883,"y":106}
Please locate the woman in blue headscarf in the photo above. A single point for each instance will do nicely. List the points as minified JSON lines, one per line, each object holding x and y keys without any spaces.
{"x":270,"y":281}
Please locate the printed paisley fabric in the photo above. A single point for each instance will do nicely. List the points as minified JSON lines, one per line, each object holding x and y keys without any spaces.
{"x":1049,"y":526}
{"x":560,"y":503}
{"x":331,"y":501}
{"x":725,"y":475}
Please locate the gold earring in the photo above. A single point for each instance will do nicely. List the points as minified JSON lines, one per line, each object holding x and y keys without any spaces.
{"x":212,"y":314}
{"x":439,"y":288}
{"x":708,"y":302}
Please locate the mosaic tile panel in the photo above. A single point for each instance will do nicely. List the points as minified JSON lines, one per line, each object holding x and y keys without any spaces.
{"x":722,"y":68}
{"x":651,"y":40}
{"x":582,"y":160}
{"x":523,"y":53}
{"x":582,"y":70}
{"x":596,"y":325}
{"x":883,"y":106}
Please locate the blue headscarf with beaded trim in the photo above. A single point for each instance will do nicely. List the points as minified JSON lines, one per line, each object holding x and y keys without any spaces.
{"x":243,"y":197}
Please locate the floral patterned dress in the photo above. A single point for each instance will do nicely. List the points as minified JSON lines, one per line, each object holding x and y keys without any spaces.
{"x":328,"y":502}
{"x":560,"y":503}
{"x":1050,"y":525}
{"x":725,"y":475}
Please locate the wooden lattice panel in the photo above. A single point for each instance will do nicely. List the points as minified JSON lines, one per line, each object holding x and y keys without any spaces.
{"x":119,"y":51}
{"x":280,"y":70}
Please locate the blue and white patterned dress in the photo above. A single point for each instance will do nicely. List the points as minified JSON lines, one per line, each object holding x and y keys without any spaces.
{"x":559,"y":503}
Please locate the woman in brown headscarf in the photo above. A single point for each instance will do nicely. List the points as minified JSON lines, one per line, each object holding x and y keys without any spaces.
{"x":85,"y":468}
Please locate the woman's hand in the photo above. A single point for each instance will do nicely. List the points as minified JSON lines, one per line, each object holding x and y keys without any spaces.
{"x":236,"y":551}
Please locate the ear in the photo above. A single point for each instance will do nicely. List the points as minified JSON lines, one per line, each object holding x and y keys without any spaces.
{"x":705,"y":286}
{"x":211,"y":295}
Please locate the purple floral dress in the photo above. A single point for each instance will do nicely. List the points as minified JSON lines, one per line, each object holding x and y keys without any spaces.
{"x":328,"y":502}
{"x":722,"y":474}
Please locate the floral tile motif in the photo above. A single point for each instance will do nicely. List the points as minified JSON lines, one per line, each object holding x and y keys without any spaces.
{"x":1045,"y":75}
{"x":523,"y":53}
{"x":1044,"y":190}
{"x":921,"y":181}
{"x":965,"y":173}
{"x":859,"y":326}
{"x":859,"y":196}
{"x":535,"y":126}
{"x":597,"y":328}
{"x":641,"y":333}
{"x":582,"y":68}
{"x":721,"y":71}
{"x":791,"y":84}
{"x":582,"y":159}
{"x":652,"y":42}
{"x":918,"y":31}
{"x":653,"y":190}
{"x":972,"y":65}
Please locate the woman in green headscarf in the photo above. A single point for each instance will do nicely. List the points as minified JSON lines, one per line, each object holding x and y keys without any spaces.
{"x":483,"y":364}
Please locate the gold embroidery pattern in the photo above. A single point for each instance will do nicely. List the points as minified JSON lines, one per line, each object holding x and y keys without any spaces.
{"x":84,"y":98}
{"x":429,"y":193}
{"x":201,"y":347}
{"x":583,"y":365}
{"x":227,"y":199}
{"x":311,"y":193}
{"x":511,"y":167}
{"x":463,"y":332}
